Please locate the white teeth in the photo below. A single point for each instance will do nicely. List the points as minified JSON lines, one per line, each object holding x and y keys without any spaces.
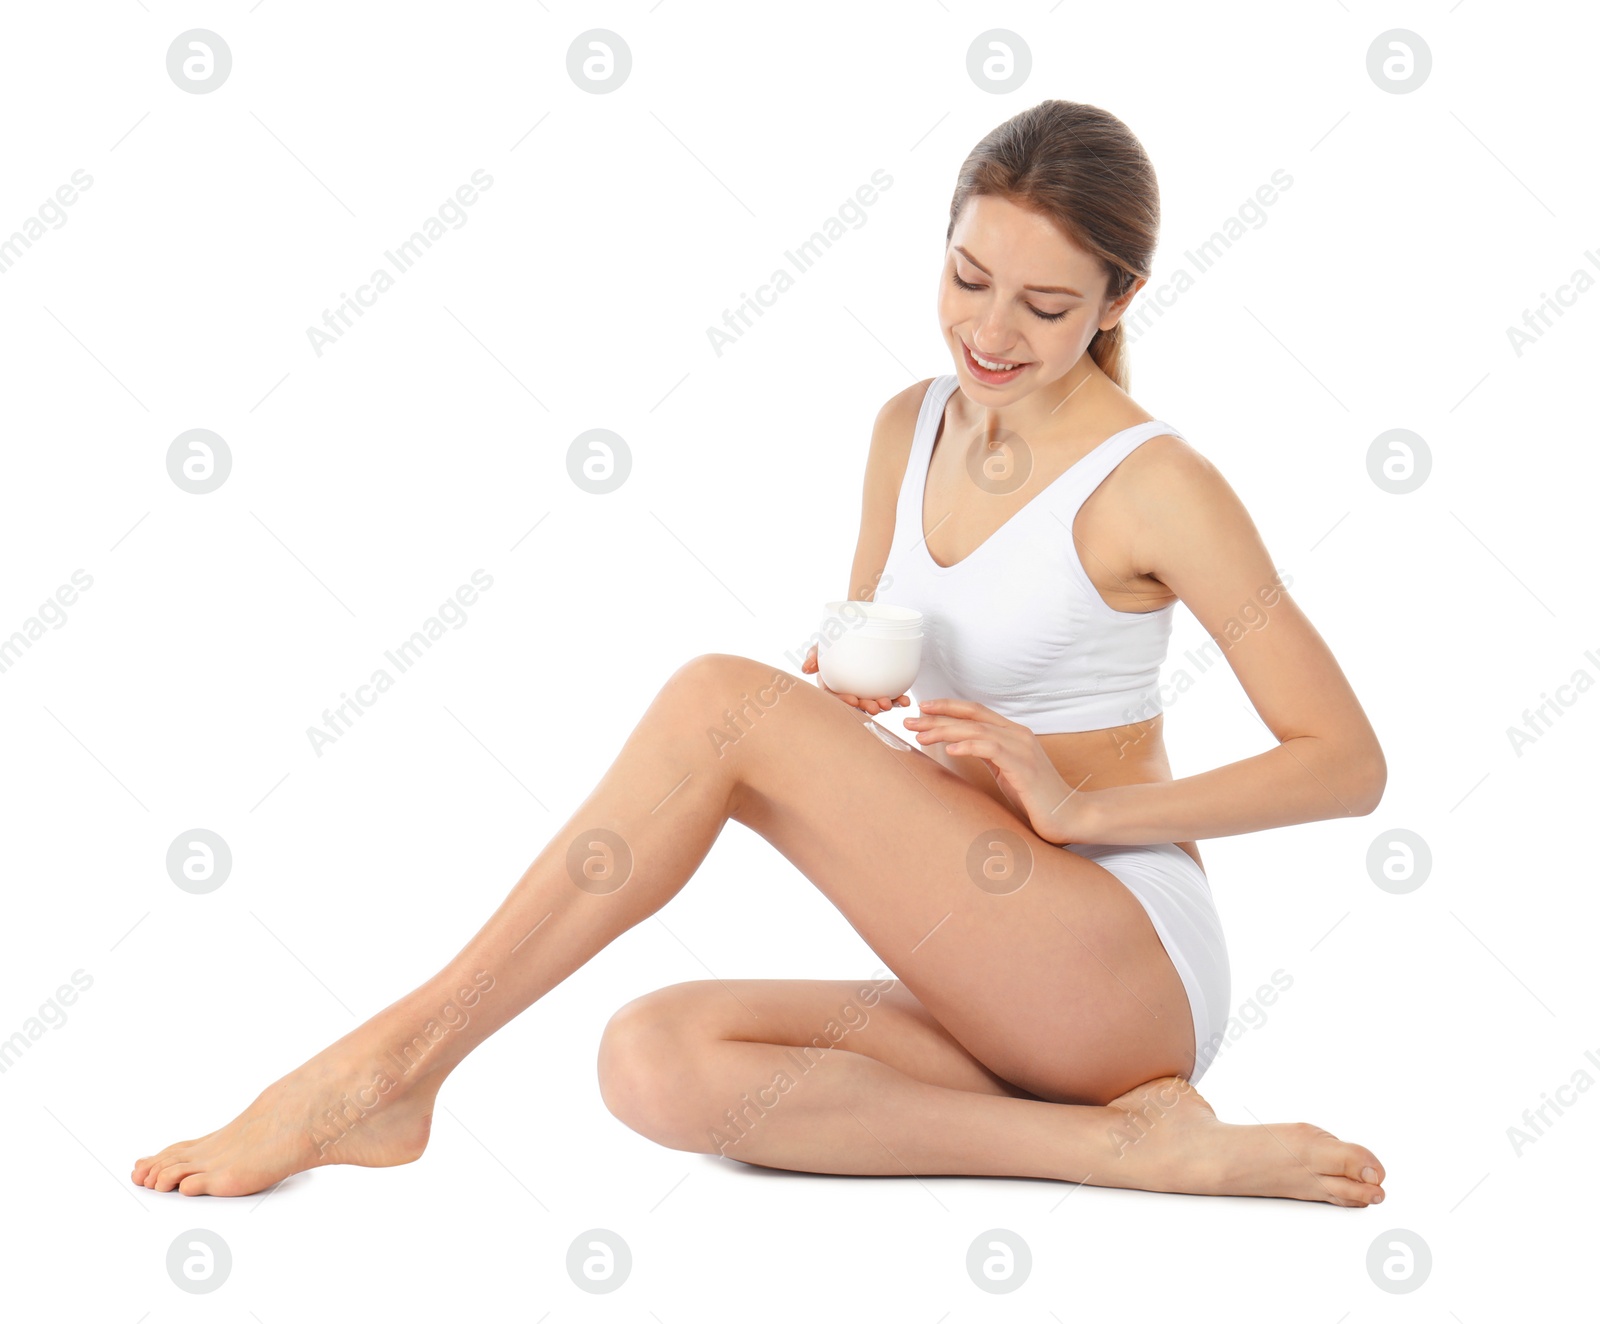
{"x":986,"y":363}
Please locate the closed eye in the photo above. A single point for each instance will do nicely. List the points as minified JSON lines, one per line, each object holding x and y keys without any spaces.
{"x":1047,"y":317}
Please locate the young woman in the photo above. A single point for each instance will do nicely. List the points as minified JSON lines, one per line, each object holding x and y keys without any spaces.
{"x":1029,"y":873}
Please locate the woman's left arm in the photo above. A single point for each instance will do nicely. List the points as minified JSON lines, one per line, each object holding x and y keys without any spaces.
{"x":1193,"y":534}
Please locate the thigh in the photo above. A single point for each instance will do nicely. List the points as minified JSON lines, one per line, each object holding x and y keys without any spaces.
{"x":876,"y":1017}
{"x":1039,"y":963}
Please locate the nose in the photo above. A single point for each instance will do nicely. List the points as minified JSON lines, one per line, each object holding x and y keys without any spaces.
{"x":991,"y":331}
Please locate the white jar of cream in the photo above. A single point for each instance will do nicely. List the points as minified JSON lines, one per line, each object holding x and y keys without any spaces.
{"x":869,"y":649}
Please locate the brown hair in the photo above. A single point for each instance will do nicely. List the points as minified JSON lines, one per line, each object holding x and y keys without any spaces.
{"x":1081,"y":168}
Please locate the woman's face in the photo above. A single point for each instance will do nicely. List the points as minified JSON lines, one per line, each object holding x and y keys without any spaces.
{"x":1035,"y":300}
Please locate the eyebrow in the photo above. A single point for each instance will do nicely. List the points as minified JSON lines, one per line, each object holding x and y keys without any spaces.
{"x":1041,"y":289}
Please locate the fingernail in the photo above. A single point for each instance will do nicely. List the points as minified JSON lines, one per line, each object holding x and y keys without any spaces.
{"x":1369,"y":1174}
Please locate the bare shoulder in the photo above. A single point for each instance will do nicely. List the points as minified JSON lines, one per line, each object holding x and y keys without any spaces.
{"x":1176,"y":501}
{"x":891,"y":437}
{"x":1166,"y":475}
{"x":897,"y":418}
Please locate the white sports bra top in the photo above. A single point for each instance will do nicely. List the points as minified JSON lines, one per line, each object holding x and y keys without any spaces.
{"x":1017,"y":625}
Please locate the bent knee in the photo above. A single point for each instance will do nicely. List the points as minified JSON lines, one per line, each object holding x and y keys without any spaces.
{"x":651,"y":1068}
{"x":710,"y":670}
{"x":721,"y":682}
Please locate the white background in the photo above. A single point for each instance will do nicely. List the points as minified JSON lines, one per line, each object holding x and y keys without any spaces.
{"x":369,"y":482}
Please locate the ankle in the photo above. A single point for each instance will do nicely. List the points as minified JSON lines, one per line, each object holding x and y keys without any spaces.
{"x":420,"y":1040}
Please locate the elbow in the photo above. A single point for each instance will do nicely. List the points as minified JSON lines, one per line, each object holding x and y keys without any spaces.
{"x":1367,"y":785}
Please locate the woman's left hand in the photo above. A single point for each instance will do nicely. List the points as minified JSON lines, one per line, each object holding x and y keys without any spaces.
{"x":1013,"y":754}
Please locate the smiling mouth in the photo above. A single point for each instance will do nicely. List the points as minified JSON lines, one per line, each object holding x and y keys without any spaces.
{"x":991,"y":365}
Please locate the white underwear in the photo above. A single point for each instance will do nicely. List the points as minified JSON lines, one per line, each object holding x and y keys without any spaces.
{"x":1176,"y":894}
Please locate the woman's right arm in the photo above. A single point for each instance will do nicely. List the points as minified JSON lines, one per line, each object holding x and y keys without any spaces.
{"x":887,"y":454}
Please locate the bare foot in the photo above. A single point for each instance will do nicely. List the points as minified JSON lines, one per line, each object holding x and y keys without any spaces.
{"x":340,"y":1107}
{"x":1168,"y":1139}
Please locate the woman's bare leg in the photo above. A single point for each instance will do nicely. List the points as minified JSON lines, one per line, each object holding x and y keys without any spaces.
{"x":862,"y":1080}
{"x":1060,"y":985}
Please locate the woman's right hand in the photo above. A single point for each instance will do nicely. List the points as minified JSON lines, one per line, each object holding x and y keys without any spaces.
{"x":872,"y":707}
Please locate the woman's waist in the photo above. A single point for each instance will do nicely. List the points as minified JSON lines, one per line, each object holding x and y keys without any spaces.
{"x":1093,"y":760}
{"x":1116,"y":756}
{"x":1109,"y":756}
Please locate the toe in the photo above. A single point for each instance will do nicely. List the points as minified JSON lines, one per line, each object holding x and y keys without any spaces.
{"x":225,"y":1177}
{"x":1329,"y":1154}
{"x":194,"y":1184}
{"x":173,"y":1173}
{"x":1343,"y":1191}
{"x":155,"y":1162}
{"x":151,"y":1164}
